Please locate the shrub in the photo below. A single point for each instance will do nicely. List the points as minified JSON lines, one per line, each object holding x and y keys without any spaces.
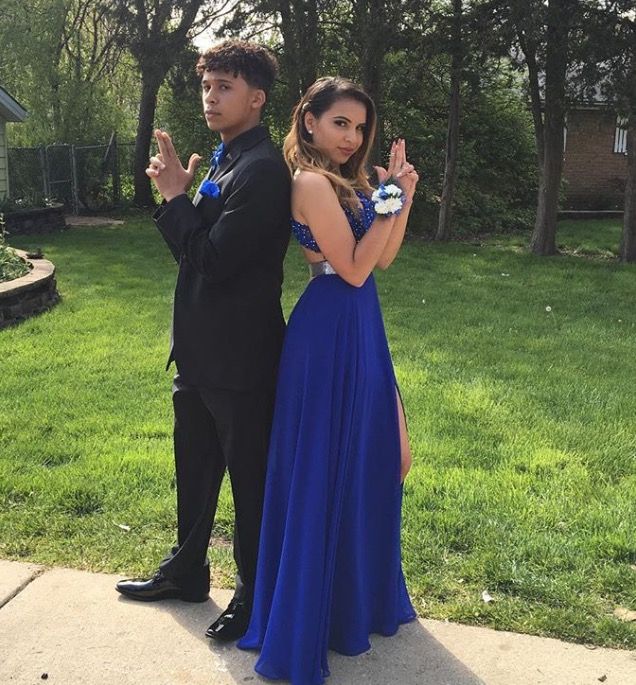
{"x":11,"y":265}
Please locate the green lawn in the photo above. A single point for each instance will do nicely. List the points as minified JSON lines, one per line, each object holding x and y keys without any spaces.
{"x":521,"y":421}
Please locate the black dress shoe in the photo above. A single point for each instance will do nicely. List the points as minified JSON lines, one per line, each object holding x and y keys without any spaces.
{"x":159,"y":587}
{"x":231,"y":624}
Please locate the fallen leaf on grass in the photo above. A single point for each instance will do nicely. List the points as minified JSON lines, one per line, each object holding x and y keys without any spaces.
{"x":486,"y":597}
{"x":625,"y":614}
{"x":123,"y":527}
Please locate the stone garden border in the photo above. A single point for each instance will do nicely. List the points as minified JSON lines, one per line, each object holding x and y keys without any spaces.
{"x":36,"y":220}
{"x":28,"y":295}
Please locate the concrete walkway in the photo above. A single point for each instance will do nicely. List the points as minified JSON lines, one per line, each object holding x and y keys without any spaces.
{"x":70,"y":627}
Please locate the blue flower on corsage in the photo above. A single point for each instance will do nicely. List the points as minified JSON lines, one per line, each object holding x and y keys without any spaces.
{"x":209,"y":188}
{"x":388,"y":199}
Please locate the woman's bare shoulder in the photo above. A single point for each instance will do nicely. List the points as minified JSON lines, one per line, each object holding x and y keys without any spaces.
{"x":311,"y":182}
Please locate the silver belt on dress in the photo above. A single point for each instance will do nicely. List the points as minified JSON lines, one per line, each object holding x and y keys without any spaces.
{"x":321,"y":269}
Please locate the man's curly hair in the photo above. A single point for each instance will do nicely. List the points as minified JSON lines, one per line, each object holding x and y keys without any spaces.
{"x":255,"y":63}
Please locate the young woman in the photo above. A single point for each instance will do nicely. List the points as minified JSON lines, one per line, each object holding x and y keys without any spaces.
{"x":329,"y":570}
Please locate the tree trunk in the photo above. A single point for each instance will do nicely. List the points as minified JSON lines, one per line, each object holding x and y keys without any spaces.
{"x":289,"y":58}
{"x":149,"y":90}
{"x":372,"y":63}
{"x":452,"y":137}
{"x":628,"y":241}
{"x":299,"y":28}
{"x":309,"y":44}
{"x":543,"y":241}
{"x":529,"y":47}
{"x":370,"y":29}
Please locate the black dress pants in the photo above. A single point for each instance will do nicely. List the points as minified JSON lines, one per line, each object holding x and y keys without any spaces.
{"x":215,"y":430}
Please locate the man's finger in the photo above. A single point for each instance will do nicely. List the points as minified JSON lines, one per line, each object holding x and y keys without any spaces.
{"x":160,"y":144}
{"x":169,"y":145}
{"x":166,"y":148}
{"x":193,"y":163}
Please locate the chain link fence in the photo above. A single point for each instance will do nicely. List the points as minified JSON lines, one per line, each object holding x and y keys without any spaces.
{"x":85,"y":178}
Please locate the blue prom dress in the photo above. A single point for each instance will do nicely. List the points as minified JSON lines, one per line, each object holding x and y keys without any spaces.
{"x":329,"y":569}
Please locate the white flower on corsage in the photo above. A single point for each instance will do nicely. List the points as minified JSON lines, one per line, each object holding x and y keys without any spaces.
{"x":388,"y":199}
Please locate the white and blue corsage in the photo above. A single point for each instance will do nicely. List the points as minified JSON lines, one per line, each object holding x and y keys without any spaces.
{"x":388,"y":199}
{"x":209,"y":188}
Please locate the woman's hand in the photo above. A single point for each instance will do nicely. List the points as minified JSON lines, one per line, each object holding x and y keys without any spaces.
{"x":406,"y":175}
{"x":400,"y":169}
{"x":392,"y":168}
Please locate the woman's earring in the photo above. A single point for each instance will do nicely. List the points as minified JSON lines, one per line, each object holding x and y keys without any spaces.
{"x":311,"y":133}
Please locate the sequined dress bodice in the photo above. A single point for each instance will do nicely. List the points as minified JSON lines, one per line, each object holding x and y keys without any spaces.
{"x":360,"y":221}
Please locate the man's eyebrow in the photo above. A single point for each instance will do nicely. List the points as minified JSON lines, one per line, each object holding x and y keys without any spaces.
{"x":218,"y":80}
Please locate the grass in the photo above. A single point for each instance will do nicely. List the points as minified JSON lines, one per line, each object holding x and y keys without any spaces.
{"x":521,"y":421}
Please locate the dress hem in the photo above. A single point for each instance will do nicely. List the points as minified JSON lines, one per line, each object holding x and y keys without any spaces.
{"x":382,"y":633}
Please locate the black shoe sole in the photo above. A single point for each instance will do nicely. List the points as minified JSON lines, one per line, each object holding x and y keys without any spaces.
{"x":194,"y":599}
{"x":220,"y":638}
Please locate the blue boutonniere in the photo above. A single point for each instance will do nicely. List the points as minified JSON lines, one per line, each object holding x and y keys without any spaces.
{"x":218,"y":155}
{"x":209,"y":188}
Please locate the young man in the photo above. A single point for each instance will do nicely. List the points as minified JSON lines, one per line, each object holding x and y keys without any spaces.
{"x":227,"y":325}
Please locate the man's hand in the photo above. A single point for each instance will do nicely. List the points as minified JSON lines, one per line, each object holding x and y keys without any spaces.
{"x":166,"y":170}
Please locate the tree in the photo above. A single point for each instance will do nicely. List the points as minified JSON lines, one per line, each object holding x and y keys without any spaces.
{"x":302,"y":44}
{"x":456,"y":50}
{"x":60,"y":58}
{"x":558,"y":22}
{"x":294,"y":29}
{"x":540,"y":36}
{"x":625,"y":85}
{"x":609,"y":66}
{"x":156,"y":32}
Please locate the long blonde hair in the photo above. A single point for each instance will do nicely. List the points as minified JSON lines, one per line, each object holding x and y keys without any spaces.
{"x":302,"y":155}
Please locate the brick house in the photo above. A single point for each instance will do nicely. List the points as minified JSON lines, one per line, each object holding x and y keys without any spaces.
{"x":595,"y":161}
{"x":10,"y":110}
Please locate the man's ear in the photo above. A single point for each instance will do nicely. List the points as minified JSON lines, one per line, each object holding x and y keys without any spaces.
{"x":259,"y":99}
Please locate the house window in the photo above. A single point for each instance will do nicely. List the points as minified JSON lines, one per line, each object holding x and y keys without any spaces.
{"x":620,"y":136}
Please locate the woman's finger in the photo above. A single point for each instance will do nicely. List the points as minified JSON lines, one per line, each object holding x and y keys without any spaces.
{"x":391,"y":165}
{"x":396,"y":156}
{"x":406,"y":169}
{"x":395,"y":159}
{"x":403,"y":151}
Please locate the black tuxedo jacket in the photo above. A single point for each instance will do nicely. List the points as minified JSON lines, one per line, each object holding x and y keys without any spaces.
{"x":228,"y":327}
